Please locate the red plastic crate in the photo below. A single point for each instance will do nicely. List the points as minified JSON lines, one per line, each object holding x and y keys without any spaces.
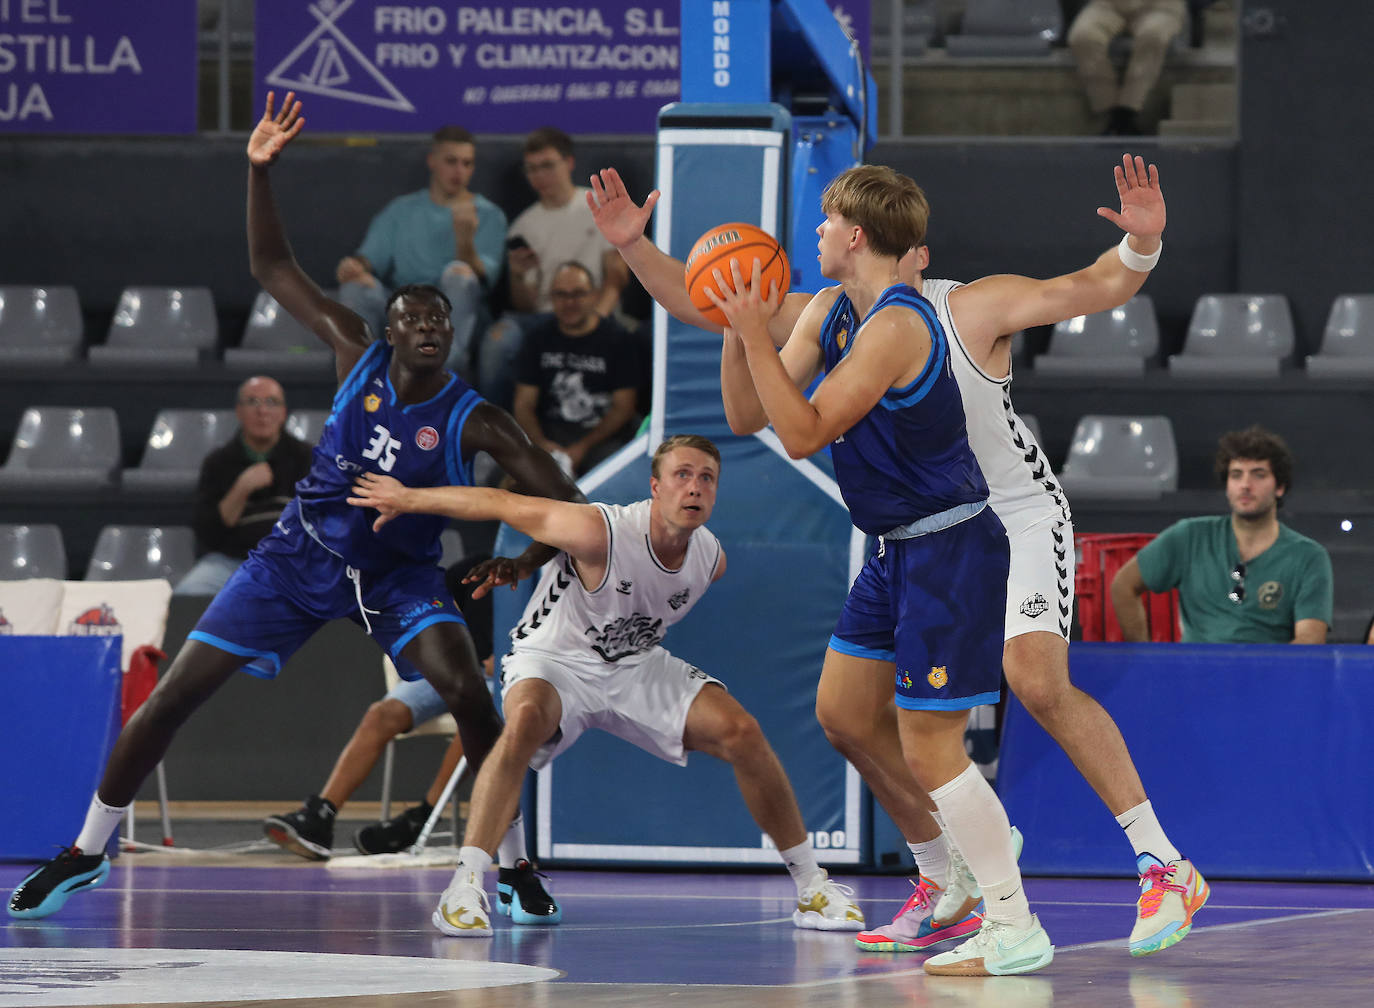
{"x":1100,"y":556}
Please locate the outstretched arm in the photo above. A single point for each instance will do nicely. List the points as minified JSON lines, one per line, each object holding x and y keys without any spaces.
{"x":996,"y":306}
{"x":622,"y":222}
{"x":269,"y":253}
{"x":577,"y":528}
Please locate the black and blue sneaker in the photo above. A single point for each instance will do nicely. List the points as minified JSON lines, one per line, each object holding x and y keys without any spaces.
{"x":48,"y":887}
{"x":522,"y":897}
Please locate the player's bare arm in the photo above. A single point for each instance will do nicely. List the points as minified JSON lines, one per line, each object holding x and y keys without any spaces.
{"x":800,"y":356}
{"x":892,"y":350}
{"x":997,"y":306}
{"x":623,"y":222}
{"x":269,"y":253}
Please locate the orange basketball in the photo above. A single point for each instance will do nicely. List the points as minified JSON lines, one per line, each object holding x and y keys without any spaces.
{"x":717,"y":247}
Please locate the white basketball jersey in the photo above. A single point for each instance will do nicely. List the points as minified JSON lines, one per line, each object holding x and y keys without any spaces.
{"x":1022,"y":488}
{"x":626,"y":615}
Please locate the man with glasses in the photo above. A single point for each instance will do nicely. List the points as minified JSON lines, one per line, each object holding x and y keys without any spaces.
{"x":243,"y":486}
{"x":576,"y":376}
{"x":557,"y":228}
{"x":1243,"y":577}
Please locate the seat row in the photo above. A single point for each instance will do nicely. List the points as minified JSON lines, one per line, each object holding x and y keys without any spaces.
{"x":121,"y":553}
{"x":152,"y":326}
{"x":1229,"y":336}
{"x":72,"y":448}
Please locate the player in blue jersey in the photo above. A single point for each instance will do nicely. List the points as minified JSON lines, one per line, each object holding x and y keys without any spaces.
{"x":398,"y":412}
{"x":927,"y":609}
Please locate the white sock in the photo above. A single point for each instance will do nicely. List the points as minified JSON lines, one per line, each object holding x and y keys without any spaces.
{"x":101,"y":822}
{"x":932,"y":860}
{"x":801,"y":864}
{"x":512,"y":848}
{"x":474,"y":860}
{"x":977,"y":823}
{"x":1145,"y":833}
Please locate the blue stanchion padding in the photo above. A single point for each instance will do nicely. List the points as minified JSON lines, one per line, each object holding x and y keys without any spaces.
{"x":60,"y":697}
{"x":1254,"y":757}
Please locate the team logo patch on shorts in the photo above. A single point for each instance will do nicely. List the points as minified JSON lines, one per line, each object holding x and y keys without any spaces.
{"x":426,"y":438}
{"x":939,"y":678}
{"x":372,"y":403}
{"x":1034,"y":605}
{"x":904,"y":680}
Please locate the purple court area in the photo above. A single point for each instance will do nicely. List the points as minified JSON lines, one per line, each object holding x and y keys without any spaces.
{"x":1251,"y":944}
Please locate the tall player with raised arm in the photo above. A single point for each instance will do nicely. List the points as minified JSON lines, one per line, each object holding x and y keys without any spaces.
{"x":397,"y":411}
{"x":980,"y":319}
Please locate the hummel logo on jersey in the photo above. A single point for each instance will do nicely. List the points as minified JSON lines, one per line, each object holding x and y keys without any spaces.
{"x":680,"y":599}
{"x":1034,"y":605}
{"x":625,"y":587}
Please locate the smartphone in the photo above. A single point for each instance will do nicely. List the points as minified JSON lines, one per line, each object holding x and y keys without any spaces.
{"x":517,"y":243}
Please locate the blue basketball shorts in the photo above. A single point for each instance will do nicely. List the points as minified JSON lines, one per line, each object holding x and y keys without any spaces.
{"x":290,"y":586}
{"x":934,"y":606}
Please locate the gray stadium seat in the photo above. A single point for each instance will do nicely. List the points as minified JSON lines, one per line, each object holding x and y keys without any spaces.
{"x":177,"y":444}
{"x":63,"y":448}
{"x":1007,"y":28}
{"x":1108,"y":343}
{"x":39,"y":325}
{"x":273,"y":341}
{"x":1347,"y":349}
{"x":32,"y":551}
{"x":306,"y":424}
{"x":1121,"y":456}
{"x":138,"y":552}
{"x":1236,"y":336}
{"x":160,"y":327}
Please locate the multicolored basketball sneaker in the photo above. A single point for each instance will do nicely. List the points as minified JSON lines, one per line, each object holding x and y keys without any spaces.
{"x":46,"y":888}
{"x":1169,"y":896}
{"x":914,"y":927}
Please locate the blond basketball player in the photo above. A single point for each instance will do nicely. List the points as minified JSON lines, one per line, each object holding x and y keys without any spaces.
{"x":857,"y":713}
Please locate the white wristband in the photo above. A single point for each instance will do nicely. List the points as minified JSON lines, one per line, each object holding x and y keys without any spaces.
{"x":1133,"y":260}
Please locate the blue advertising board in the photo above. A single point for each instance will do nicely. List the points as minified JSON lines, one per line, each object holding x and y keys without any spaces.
{"x":376,"y":67}
{"x":92,"y":66}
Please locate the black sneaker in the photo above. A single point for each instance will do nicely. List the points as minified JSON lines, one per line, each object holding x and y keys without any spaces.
{"x":522,"y":897}
{"x":308,"y":831}
{"x":391,"y":836}
{"x":47,"y":888}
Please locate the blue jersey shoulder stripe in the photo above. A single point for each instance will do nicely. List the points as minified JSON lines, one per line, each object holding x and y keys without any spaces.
{"x":459,"y":471}
{"x":360,"y":373}
{"x":918,"y":388}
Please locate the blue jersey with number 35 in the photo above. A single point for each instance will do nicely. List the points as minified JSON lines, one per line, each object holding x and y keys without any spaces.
{"x":370,"y":430}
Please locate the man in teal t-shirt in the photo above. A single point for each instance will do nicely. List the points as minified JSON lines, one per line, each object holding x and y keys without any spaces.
{"x":445,"y":235}
{"x":1242,"y":577}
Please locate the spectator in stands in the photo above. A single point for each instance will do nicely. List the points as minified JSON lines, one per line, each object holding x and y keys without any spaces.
{"x":1243,"y":577}
{"x":557,"y":228}
{"x":445,"y":235}
{"x":243,"y":486}
{"x":1152,"y":25}
{"x":309,"y":831}
{"x":576,"y":376}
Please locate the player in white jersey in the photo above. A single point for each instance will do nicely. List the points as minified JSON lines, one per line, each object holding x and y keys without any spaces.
{"x":586,"y":654}
{"x":859,"y":720}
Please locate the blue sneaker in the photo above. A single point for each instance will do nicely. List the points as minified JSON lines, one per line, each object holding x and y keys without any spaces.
{"x":522,"y":897}
{"x":47,"y":888}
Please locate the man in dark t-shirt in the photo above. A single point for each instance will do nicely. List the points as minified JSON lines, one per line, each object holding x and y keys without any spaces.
{"x":576,"y":377}
{"x":243,"y":486}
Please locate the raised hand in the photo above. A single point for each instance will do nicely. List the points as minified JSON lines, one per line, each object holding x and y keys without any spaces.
{"x":619,"y":219}
{"x":274,"y":132}
{"x":1142,"y":201}
{"x":747,"y":307}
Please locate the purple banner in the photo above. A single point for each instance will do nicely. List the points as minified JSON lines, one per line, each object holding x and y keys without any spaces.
{"x":499,"y":67}
{"x":93,"y":66}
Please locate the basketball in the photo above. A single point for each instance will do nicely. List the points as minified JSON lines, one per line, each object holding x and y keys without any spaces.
{"x":717,"y":247}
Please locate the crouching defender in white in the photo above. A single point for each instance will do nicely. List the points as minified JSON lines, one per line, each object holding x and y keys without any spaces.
{"x":586,"y":654}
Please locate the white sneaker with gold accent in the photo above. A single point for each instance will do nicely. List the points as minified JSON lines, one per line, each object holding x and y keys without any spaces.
{"x":825,"y":905}
{"x":463,"y":910}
